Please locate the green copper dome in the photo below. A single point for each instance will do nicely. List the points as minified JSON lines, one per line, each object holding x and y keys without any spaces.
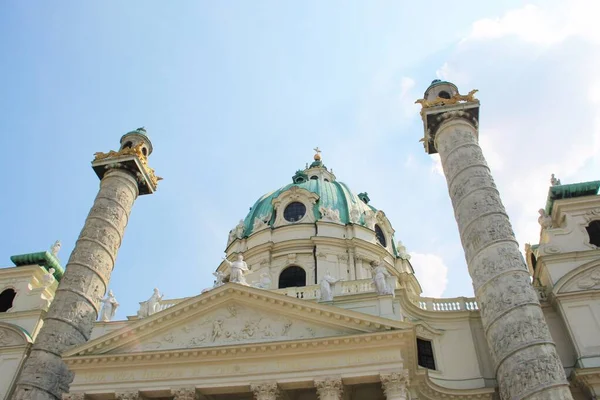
{"x":331,"y":194}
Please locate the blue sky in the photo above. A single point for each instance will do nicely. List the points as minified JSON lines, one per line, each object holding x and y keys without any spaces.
{"x":236,"y":94}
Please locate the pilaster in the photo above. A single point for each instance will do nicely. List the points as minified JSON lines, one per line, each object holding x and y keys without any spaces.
{"x":265,"y":390}
{"x":329,"y":388}
{"x":527,"y":365}
{"x":395,"y":385}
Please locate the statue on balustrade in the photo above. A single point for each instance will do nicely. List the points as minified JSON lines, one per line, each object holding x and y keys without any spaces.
{"x":109,"y":307}
{"x":150,"y":306}
{"x":380,"y":274}
{"x":264,"y":282}
{"x":326,"y":288}
{"x":238,"y":267}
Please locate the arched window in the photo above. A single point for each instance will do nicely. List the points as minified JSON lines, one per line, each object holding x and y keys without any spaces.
{"x":593,"y":230}
{"x":380,"y":236}
{"x":444,"y":95}
{"x":292,"y":277}
{"x":144,"y":151}
{"x":127,"y":145}
{"x":6,"y":299}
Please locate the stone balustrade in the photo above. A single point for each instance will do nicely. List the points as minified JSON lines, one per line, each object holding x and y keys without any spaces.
{"x":168,"y":303}
{"x":450,"y":304}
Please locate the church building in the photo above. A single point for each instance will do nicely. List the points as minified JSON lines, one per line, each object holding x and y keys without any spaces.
{"x":316,"y":297}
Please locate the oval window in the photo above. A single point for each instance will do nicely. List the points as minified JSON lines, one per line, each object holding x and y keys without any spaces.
{"x":294,"y":212}
{"x":380,"y":236}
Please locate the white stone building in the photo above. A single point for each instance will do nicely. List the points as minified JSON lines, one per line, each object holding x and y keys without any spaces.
{"x":330,"y":307}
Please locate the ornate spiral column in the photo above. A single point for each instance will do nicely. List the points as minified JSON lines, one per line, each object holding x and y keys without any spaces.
{"x":70,"y":318}
{"x":527,"y":365}
{"x":329,"y":388}
{"x":395,"y":384}
{"x":265,"y":391}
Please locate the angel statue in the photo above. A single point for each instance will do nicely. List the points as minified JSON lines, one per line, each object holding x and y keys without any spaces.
{"x":238,"y":267}
{"x":150,"y":306}
{"x":109,"y":307}
{"x":544,"y":219}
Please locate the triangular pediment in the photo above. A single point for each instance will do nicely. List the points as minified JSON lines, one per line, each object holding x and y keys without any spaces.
{"x":234,"y":315}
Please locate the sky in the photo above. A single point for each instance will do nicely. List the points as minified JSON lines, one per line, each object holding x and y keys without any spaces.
{"x":235,"y":95}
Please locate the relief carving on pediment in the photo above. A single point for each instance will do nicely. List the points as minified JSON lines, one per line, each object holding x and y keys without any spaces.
{"x":235,"y":324}
{"x":587,"y":280}
{"x":10,"y":338}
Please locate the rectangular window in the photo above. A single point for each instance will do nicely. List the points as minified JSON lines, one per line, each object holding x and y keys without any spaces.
{"x":425,"y":352}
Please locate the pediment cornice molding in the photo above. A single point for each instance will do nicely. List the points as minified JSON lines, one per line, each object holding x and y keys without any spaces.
{"x":291,"y":307}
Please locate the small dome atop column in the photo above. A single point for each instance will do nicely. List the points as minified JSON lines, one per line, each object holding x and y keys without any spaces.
{"x":440,"y":88}
{"x":133,"y":138}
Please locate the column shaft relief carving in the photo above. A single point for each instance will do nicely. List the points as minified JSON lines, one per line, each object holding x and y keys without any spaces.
{"x":265,"y":391}
{"x":516,"y":331}
{"x":71,"y":316}
{"x":395,"y":385}
{"x":329,"y":388}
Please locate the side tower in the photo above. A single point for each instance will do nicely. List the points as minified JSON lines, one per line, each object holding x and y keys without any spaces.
{"x":124,"y":175}
{"x":527,"y":366}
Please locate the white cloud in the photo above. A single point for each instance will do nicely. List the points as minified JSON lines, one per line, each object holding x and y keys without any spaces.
{"x":431,"y":272}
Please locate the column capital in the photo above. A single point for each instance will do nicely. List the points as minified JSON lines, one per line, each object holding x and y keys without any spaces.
{"x":184,"y":393}
{"x":73,"y":396}
{"x":394,"y":384}
{"x":329,"y":388}
{"x":265,"y":390}
{"x":130,"y":395}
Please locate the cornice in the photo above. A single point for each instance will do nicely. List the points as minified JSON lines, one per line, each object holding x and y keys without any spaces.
{"x":246,"y":351}
{"x":432,"y":391}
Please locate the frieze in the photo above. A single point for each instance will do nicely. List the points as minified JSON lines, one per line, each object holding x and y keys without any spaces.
{"x":461,"y":158}
{"x":236,"y":324}
{"x":506,"y":292}
{"x":476,"y":204}
{"x":509,"y":335}
{"x":459,"y":138}
{"x":485,"y":231}
{"x":519,"y":376}
{"x":478,"y":178}
{"x":494,"y":261}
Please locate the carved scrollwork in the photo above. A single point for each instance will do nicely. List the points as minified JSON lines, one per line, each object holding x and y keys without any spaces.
{"x":265,"y":390}
{"x":395,"y":384}
{"x":457,"y":98}
{"x":329,"y":388}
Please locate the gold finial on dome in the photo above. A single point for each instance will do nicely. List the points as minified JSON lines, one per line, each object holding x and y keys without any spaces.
{"x":318,"y":155}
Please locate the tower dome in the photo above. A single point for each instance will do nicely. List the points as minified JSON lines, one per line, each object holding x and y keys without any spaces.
{"x":316,"y":225}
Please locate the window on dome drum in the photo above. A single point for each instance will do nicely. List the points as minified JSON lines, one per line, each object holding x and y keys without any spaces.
{"x":292,"y":277}
{"x":314,"y":177}
{"x":127,"y":145}
{"x":6,"y":299}
{"x":425,"y":353}
{"x":593,"y":230}
{"x":444,"y":95}
{"x":380,"y":236}
{"x":294,"y":211}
